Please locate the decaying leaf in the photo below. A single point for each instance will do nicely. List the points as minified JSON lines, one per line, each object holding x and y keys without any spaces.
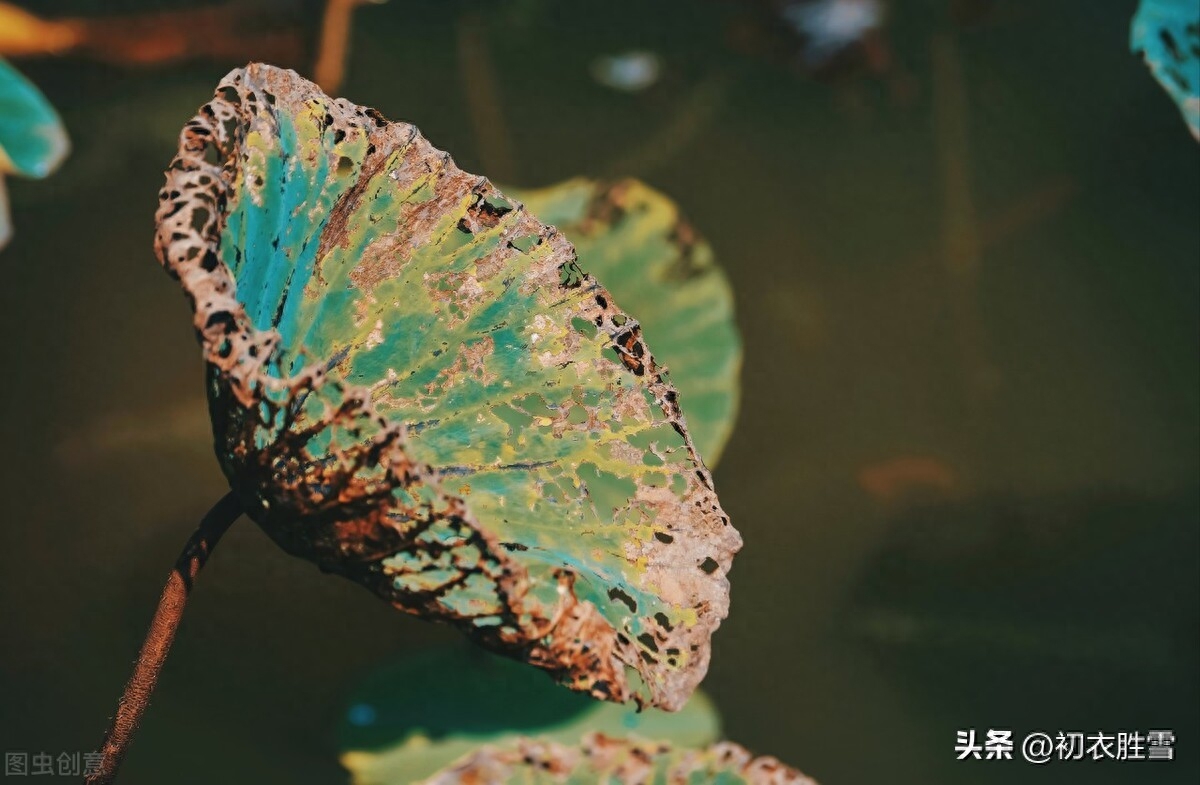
{"x":33,"y":141}
{"x":1166,"y":33}
{"x":633,"y":238}
{"x":413,"y":384}
{"x":624,"y":762}
{"x":406,"y":722}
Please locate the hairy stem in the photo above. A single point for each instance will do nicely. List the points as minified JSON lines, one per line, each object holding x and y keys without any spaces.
{"x":160,"y":636}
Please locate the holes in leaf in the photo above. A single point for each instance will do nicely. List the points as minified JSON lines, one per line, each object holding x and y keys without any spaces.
{"x":620,"y":596}
{"x":200,"y":218}
{"x":570,"y":276}
{"x":229,"y":126}
{"x":484,"y":213}
{"x":630,"y":349}
{"x":526,"y":244}
{"x":221,"y":318}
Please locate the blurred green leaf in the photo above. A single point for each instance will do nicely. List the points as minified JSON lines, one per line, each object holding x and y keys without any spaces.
{"x":408,"y":720}
{"x":1166,"y":33}
{"x":33,"y":141}
{"x":596,"y":758}
{"x":634,"y":239}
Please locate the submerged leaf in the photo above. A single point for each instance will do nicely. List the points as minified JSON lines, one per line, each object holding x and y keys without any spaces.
{"x":629,"y":72}
{"x":618,"y":761}
{"x":656,"y":265}
{"x":829,"y":27}
{"x":405,"y":722}
{"x":413,"y":384}
{"x":33,"y":141}
{"x":1166,"y":33}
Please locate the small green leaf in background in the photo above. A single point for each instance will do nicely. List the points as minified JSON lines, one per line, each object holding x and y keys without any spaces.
{"x":404,"y":722}
{"x":33,"y":141}
{"x":599,"y":759}
{"x":1166,"y":33}
{"x":634,"y":239}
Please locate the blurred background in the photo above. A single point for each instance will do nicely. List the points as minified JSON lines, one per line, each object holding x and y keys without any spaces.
{"x":963,"y":239}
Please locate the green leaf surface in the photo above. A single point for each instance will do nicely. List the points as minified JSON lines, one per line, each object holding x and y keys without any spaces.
{"x":414,"y":384}
{"x":656,"y":265}
{"x":405,"y":722}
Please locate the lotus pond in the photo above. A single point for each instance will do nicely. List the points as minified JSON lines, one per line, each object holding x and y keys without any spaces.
{"x":961,"y":447}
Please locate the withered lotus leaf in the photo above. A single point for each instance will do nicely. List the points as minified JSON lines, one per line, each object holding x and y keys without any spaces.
{"x":414,"y":384}
{"x":617,"y":761}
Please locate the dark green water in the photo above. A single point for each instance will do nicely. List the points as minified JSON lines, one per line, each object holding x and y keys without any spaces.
{"x":1044,"y":387}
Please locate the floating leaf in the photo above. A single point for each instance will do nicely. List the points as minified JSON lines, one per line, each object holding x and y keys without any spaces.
{"x":413,"y":384}
{"x":405,"y":722}
{"x":1166,"y":33}
{"x":620,"y":761}
{"x":33,"y":141}
{"x":656,"y":265}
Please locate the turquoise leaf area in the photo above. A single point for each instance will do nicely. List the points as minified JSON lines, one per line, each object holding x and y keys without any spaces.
{"x":33,"y":141}
{"x":414,"y":383}
{"x":1166,"y":33}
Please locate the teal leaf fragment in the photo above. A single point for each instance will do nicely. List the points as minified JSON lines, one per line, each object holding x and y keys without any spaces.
{"x":33,"y":141}
{"x":414,"y":384}
{"x":405,"y":722}
{"x":1166,"y":34}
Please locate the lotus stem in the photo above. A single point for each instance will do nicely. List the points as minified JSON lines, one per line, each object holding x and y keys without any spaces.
{"x":484,"y":102}
{"x":160,"y":636}
{"x":330,"y":66}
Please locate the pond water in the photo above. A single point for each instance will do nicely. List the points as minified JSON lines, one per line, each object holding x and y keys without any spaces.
{"x":966,"y":463}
